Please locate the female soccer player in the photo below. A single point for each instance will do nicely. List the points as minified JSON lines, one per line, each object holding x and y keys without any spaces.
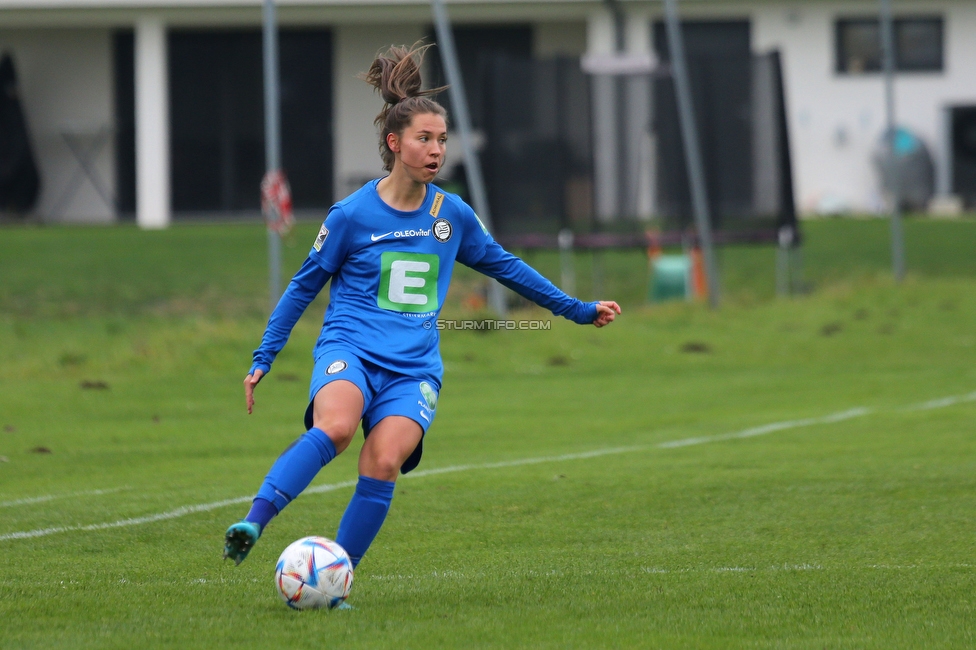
{"x":389,"y":249}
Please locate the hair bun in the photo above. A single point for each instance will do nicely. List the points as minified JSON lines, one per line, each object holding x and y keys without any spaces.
{"x":395,"y":75}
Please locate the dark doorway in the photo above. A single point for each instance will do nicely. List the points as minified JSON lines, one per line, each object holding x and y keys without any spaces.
{"x":123,"y":60}
{"x":964,"y":154}
{"x":217,"y":119}
{"x":720,"y":72}
{"x":305,"y":58}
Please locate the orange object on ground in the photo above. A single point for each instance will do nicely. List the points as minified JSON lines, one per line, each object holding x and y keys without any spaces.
{"x":699,"y":284}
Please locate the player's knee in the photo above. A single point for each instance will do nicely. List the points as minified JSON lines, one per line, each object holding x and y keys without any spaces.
{"x":388,"y":467}
{"x":341,"y":431}
{"x":382,"y":465}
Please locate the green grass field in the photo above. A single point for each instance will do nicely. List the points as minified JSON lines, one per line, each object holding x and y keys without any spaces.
{"x":791,"y":473}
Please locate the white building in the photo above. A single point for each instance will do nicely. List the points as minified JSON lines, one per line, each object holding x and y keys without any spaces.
{"x":80,"y":61}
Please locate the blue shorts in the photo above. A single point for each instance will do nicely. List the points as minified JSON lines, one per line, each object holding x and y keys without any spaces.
{"x":384,"y":392}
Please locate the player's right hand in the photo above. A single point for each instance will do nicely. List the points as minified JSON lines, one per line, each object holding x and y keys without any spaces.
{"x":249,"y":383}
{"x":606,"y":311}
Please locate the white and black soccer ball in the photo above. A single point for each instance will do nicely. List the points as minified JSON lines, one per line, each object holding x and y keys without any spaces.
{"x":313,"y":572}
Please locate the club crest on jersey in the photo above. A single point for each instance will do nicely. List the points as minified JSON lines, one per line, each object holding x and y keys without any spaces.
{"x":442,"y":230}
{"x":336,"y":367}
{"x":323,"y":233}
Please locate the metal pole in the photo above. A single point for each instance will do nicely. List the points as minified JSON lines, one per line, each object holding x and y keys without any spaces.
{"x":784,"y":246}
{"x":567,"y":268}
{"x":476,"y":183}
{"x":689,"y":134}
{"x":620,"y":113}
{"x":272,"y":138}
{"x":897,"y":236}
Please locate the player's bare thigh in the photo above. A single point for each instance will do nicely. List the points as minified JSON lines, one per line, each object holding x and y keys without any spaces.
{"x":336,"y":410}
{"x":388,"y":446}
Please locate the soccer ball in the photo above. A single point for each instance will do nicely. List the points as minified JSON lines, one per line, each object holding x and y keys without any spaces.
{"x":313,"y":572}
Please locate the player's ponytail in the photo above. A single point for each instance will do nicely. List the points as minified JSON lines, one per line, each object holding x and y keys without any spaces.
{"x":395,"y":74}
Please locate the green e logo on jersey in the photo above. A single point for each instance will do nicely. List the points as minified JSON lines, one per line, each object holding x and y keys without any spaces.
{"x":408,"y":282}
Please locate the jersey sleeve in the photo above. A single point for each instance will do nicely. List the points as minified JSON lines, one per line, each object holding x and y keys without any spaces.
{"x":475,"y":238}
{"x":331,"y":246}
{"x":302,"y":289}
{"x":521,"y":278}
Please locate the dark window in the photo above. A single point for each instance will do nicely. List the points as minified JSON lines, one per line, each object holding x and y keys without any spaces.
{"x":477,"y":48}
{"x":858,"y":46}
{"x":217,"y":118}
{"x":918,"y":45}
{"x":536,"y":158}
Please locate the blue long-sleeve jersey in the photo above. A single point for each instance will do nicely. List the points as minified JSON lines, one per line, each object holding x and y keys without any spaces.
{"x":390,"y":272}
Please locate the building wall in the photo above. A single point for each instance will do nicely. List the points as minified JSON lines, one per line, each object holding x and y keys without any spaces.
{"x":65,"y":78}
{"x":836,"y":120}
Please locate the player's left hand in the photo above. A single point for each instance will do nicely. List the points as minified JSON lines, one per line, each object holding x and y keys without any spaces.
{"x":606,"y":311}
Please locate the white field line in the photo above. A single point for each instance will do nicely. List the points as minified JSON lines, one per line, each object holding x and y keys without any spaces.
{"x":942,"y":403}
{"x":162,"y":516}
{"x":52,"y":497}
{"x":686,"y":442}
{"x":768,"y":428}
{"x":776,"y":568}
{"x":319,"y":489}
{"x":526,"y":461}
{"x":121,"y":523}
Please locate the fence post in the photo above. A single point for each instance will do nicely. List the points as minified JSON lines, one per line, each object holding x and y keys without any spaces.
{"x":567,"y":269}
{"x":783,"y":261}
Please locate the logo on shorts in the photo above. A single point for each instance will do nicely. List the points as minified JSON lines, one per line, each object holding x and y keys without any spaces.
{"x":336,"y":367}
{"x":430,"y":395}
{"x":442,"y":230}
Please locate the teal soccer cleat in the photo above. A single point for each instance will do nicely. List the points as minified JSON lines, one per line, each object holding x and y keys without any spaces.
{"x":239,"y":539}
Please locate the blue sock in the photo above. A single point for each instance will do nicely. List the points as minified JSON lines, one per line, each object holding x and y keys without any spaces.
{"x":262,"y":511}
{"x":364,"y":516}
{"x":292,"y":472}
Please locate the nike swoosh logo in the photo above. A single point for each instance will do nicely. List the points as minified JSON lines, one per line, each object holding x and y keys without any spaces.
{"x":424,"y":416}
{"x":379,"y":237}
